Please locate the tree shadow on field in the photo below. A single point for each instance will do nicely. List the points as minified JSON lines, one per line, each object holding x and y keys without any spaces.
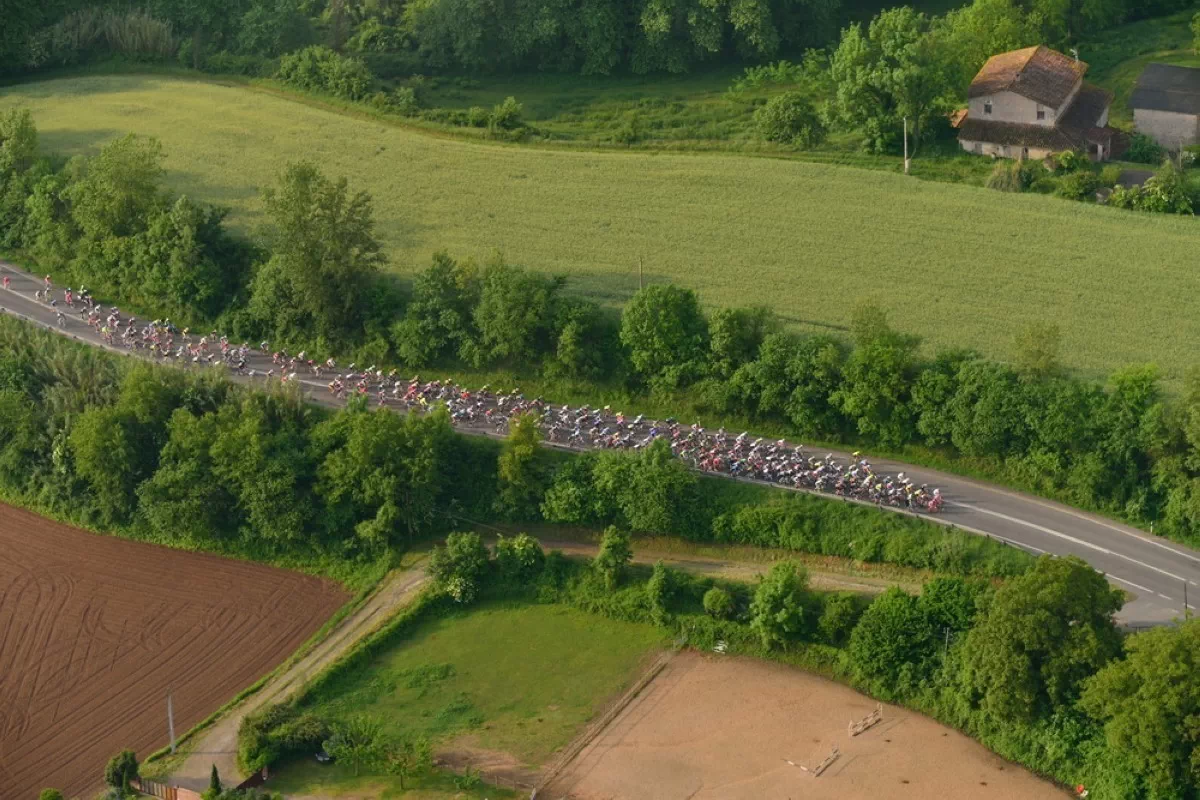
{"x":75,"y":141}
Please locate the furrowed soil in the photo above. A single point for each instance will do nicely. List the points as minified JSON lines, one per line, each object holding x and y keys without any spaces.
{"x":960,"y":266}
{"x":96,"y":631}
{"x":721,"y":727}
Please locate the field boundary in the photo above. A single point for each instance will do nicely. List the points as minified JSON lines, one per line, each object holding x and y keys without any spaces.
{"x":599,"y":725}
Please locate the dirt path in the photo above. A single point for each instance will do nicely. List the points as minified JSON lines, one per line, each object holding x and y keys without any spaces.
{"x":218,"y":744}
{"x":741,"y":570}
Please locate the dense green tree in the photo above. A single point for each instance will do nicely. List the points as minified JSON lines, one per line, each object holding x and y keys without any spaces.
{"x":896,"y":69}
{"x":119,"y":189}
{"x":519,"y":558}
{"x":951,"y":604}
{"x":616,"y":551}
{"x":666,"y":334}
{"x":50,"y":794}
{"x":840,"y":612}
{"x":777,"y":610}
{"x":521,"y":469}
{"x":1041,"y":636}
{"x":650,"y":491}
{"x":104,"y":447}
{"x":875,"y":392}
{"x":358,"y":741}
{"x":987,"y":410}
{"x":735,"y":336}
{"x":815,"y":373}
{"x":409,"y":757}
{"x":18,"y":142}
{"x":438,"y":322}
{"x":790,"y":118}
{"x":894,"y":641}
{"x":120,"y":769}
{"x":459,"y":567}
{"x":974,"y":33}
{"x":182,"y":501}
{"x":382,"y":473}
{"x":514,"y":315}
{"x":325,"y":257}
{"x":1149,"y":702}
{"x":718,"y":603}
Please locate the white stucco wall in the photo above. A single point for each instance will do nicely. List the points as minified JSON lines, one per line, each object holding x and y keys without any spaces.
{"x":1169,"y":129}
{"x":1010,"y":107}
{"x":1003,"y":151}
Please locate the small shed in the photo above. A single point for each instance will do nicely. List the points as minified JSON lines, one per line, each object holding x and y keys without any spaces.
{"x":1166,"y":105}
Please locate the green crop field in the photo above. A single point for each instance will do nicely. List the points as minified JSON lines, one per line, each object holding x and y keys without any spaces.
{"x":960,"y":266}
{"x":515,"y":679}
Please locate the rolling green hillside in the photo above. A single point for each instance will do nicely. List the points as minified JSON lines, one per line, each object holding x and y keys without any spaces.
{"x":959,"y":265}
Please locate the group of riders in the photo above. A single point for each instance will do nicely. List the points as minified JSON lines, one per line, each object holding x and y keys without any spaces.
{"x":583,"y":427}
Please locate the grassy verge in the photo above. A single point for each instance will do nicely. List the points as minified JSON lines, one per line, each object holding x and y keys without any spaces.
{"x":506,"y":677}
{"x":806,"y":239}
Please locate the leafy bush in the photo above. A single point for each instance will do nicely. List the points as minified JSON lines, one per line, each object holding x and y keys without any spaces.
{"x":893,"y":642}
{"x":506,"y":116}
{"x":1080,"y":185}
{"x":840,"y":612}
{"x":718,"y":603}
{"x":1013,"y":175}
{"x":1070,"y":161}
{"x":790,"y":118}
{"x":1144,"y":150}
{"x":320,"y":69}
{"x":121,"y":769}
{"x":460,"y":566}
{"x":777,"y":611}
{"x":615,"y":554}
{"x":520,"y":558}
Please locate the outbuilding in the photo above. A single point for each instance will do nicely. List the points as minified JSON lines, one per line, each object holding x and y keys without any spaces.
{"x":1166,"y":105}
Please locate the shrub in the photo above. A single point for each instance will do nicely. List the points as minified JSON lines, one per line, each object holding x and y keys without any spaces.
{"x":718,"y":603}
{"x":519,"y":558}
{"x":629,"y":133}
{"x":777,"y":611}
{"x":320,"y":69}
{"x":404,"y":101}
{"x":1012,"y":176}
{"x":50,"y":794}
{"x":893,"y":641}
{"x":615,"y":554}
{"x":477,"y":117}
{"x":1109,"y":175}
{"x":459,"y":567}
{"x":790,"y":118}
{"x":121,"y":769}
{"x":839,"y":614}
{"x":1070,"y":161}
{"x":1144,"y":150}
{"x":1080,"y":185}
{"x":506,"y":116}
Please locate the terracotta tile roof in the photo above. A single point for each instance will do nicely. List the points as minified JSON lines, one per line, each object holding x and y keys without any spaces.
{"x":1163,"y":87}
{"x":1038,"y":73}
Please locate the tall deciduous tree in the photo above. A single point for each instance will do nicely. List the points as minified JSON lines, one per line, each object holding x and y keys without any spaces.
{"x":896,"y":69}
{"x":777,"y":610}
{"x":1043,"y":634}
{"x":325,"y":256}
{"x":666,"y":334}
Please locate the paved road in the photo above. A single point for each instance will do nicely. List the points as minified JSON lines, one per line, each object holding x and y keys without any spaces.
{"x":1155,"y":572}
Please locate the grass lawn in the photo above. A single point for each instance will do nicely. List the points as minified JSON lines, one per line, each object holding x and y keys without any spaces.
{"x":519,"y":679}
{"x":958,"y":265}
{"x":308,"y":778}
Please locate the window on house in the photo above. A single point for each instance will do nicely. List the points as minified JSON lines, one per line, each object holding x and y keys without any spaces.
{"x":1024,"y":152}
{"x":1041,"y":113}
{"x":987,"y":106}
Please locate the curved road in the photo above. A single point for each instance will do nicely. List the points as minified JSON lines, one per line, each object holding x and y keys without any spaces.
{"x":1156,"y":573}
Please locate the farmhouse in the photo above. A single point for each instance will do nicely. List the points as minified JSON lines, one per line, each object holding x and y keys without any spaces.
{"x":1033,"y":102}
{"x":1166,"y":105}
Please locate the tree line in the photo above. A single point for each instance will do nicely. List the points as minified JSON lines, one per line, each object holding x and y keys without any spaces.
{"x":438,"y":35}
{"x":314,"y":279}
{"x":1035,"y":668}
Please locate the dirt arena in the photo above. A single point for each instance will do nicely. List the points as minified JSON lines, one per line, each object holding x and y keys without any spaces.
{"x":94,"y":631}
{"x":718,"y":727}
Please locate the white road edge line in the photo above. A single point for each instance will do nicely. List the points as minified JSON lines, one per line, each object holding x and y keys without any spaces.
{"x":1071,"y":539}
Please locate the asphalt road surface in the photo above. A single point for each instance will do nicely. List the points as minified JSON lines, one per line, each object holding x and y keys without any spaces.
{"x":1156,"y":573}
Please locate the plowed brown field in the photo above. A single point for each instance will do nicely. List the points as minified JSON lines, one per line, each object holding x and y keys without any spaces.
{"x":94,"y":632}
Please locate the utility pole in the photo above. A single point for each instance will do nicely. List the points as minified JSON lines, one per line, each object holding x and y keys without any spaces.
{"x":905,"y":145}
{"x":171,"y":720}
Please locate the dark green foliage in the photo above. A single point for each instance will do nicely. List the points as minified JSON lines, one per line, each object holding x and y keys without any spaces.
{"x":666,"y":335}
{"x":718,"y":603}
{"x":1081,"y":185}
{"x":460,"y":566}
{"x":519,"y":558}
{"x":894,"y":642}
{"x":214,"y":782}
{"x":50,"y":794}
{"x":1041,"y":636}
{"x":121,"y":769}
{"x":840,"y":612}
{"x":320,"y":69}
{"x":616,"y":552}
{"x":790,"y":118}
{"x":777,"y":613}
{"x":1145,"y":150}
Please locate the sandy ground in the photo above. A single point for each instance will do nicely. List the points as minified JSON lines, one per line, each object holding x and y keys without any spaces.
{"x":95,"y":631}
{"x":218,"y":744}
{"x":718,"y":727}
